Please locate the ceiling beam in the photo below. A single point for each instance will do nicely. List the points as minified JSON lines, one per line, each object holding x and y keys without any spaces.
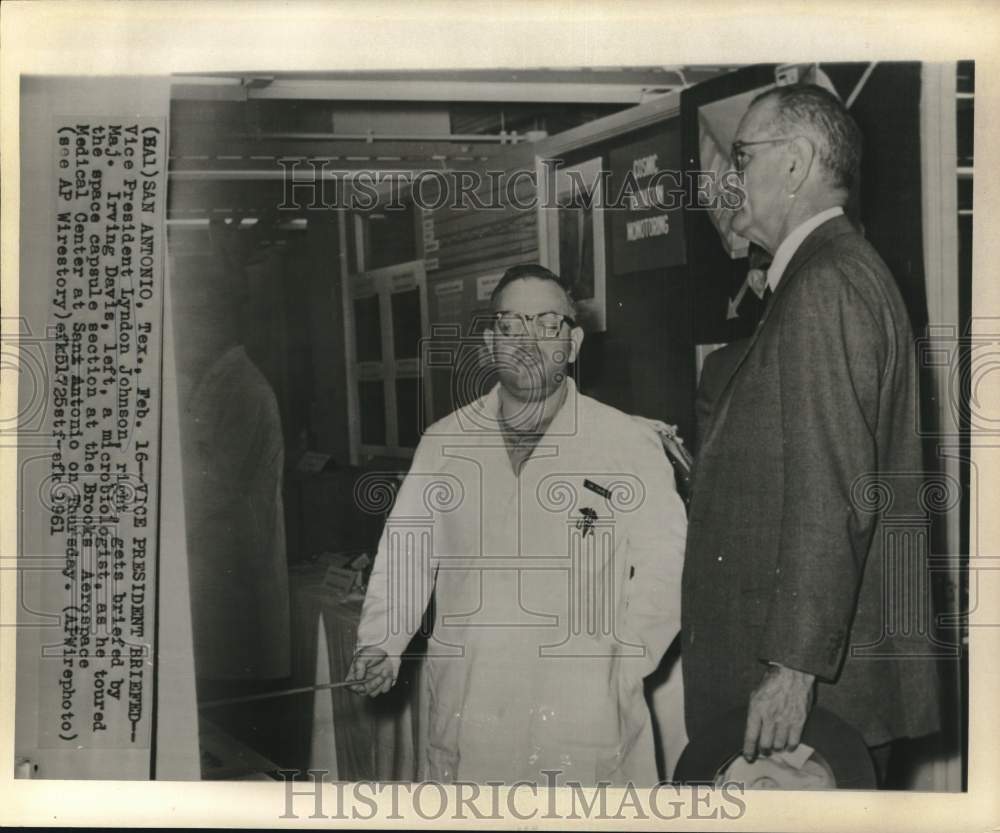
{"x":608,"y":127}
{"x":186,"y":147}
{"x":408,"y":89}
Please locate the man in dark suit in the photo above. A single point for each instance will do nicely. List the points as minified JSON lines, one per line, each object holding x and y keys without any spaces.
{"x":787,"y":574}
{"x":720,"y":363}
{"x":715,"y":373}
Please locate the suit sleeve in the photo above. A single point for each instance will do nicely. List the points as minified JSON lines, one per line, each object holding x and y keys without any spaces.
{"x":832,"y":356}
{"x":402,"y":577}
{"x":656,"y":556}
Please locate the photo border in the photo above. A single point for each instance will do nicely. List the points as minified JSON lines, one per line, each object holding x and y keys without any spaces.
{"x":159,"y":38}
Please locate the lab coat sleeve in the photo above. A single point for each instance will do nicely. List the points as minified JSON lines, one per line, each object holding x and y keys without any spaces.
{"x":403,"y":574}
{"x":655,"y":551}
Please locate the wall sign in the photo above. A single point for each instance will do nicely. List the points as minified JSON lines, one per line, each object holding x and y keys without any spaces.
{"x":645,"y":199}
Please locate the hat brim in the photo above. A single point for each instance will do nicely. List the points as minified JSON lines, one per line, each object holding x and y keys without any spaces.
{"x":840,"y":744}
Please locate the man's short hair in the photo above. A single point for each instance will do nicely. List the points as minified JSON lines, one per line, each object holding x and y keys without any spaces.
{"x":532,"y":270}
{"x":820,"y":114}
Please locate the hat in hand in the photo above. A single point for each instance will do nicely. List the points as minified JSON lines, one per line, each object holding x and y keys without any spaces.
{"x":831,"y":754}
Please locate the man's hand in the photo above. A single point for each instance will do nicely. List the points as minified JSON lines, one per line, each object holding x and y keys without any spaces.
{"x":373,"y":671}
{"x":778,"y":710}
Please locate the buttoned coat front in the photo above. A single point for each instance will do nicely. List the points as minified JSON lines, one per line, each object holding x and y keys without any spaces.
{"x":555,"y":592}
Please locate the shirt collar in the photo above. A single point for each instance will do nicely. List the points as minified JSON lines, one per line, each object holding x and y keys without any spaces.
{"x":790,"y":244}
{"x":561,"y":422}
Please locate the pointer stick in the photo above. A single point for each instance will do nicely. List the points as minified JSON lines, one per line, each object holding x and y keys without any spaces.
{"x":229,"y":701}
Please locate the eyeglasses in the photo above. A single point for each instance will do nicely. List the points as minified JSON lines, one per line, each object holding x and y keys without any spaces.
{"x":537,"y":325}
{"x":740,"y":159}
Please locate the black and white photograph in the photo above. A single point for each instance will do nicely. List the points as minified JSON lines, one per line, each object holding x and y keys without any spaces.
{"x":586,"y":439}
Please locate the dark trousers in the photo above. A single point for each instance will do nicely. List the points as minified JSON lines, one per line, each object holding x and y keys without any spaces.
{"x":880,"y":757}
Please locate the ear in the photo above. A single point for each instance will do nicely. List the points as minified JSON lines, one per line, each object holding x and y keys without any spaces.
{"x":802,"y":154}
{"x":576,"y":339}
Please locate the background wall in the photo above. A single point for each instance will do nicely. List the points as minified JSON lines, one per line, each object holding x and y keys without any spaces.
{"x":467,"y":247}
{"x":644,"y":362}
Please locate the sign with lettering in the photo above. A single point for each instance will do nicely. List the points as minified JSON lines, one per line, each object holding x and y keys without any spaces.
{"x":89,"y":487}
{"x":485,"y":285}
{"x":645,"y":202}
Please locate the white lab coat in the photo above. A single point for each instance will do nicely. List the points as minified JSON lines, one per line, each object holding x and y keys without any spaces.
{"x":556,"y":592}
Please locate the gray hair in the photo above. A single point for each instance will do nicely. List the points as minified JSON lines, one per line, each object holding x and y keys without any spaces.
{"x":819,"y":114}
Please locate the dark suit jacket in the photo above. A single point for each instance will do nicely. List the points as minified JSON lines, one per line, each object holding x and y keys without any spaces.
{"x":805,"y":506}
{"x":715,"y":373}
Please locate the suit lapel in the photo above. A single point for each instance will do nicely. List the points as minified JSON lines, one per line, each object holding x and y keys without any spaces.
{"x":832,"y":228}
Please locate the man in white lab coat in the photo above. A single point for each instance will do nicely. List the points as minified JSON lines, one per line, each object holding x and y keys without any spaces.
{"x":549,"y":530}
